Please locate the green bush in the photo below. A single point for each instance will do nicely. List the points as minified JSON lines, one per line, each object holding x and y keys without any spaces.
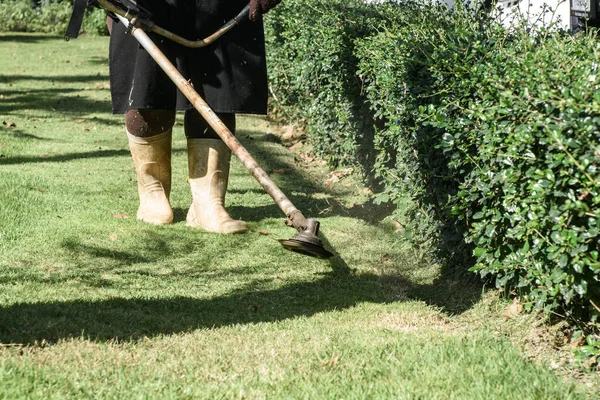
{"x":94,"y":22}
{"x":314,"y":73}
{"x":51,"y":17}
{"x":487,"y":140}
{"x":524,"y":138}
{"x":397,"y":72}
{"x":338,"y":67}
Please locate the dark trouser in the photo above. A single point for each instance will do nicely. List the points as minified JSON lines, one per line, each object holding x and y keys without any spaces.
{"x":149,"y":122}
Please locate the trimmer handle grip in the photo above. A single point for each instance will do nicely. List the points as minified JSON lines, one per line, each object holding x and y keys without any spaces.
{"x":244,"y":14}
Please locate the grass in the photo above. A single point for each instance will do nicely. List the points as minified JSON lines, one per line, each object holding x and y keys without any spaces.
{"x":94,"y":304}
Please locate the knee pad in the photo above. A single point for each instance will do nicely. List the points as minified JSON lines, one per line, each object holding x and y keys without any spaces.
{"x":147,"y":122}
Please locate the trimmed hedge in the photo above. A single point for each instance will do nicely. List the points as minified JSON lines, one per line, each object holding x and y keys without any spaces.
{"x":530,"y":191}
{"x":487,"y":140}
{"x":321,"y":89}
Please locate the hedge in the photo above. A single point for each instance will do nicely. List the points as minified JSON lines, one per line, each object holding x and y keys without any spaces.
{"x":486,"y":139}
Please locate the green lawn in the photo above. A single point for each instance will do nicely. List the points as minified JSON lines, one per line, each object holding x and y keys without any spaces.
{"x":94,"y":304}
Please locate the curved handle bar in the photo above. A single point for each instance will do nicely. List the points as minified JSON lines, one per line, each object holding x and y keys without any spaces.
{"x":195,"y":44}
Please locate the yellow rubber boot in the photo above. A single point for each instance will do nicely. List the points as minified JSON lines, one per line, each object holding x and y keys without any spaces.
{"x":152,"y":161}
{"x":208,"y":163}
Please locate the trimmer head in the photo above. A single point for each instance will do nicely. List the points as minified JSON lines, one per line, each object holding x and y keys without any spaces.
{"x":307,"y":242}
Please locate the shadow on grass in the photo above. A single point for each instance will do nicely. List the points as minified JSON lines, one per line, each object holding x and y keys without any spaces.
{"x":25,"y":38}
{"x":64,"y":157}
{"x":454,"y":290}
{"x":130,"y":319}
{"x":17,"y":133}
{"x":298,"y":188}
{"x":87,"y":79}
{"x":122,"y":257}
{"x":59,"y":101}
{"x":97,"y":60}
{"x":451,"y":294}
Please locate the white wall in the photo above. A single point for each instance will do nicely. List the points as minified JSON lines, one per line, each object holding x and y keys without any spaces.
{"x":536,"y":12}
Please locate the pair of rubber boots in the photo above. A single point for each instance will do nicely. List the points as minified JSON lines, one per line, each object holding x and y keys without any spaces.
{"x":208,"y":164}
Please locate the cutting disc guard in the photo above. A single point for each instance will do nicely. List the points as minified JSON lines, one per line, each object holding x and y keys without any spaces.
{"x":308,"y":244}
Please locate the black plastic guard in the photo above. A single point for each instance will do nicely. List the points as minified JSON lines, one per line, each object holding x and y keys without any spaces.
{"x":76,"y":20}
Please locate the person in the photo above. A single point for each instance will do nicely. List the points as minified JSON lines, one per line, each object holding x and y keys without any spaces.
{"x":230,"y":75}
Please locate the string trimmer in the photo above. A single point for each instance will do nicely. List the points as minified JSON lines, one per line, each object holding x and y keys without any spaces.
{"x":306,"y":241}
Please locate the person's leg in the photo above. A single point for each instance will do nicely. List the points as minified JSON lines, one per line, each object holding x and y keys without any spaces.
{"x":208,"y":164}
{"x":149,"y":135}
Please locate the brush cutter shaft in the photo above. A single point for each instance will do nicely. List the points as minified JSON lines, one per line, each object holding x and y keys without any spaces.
{"x":207,"y":113}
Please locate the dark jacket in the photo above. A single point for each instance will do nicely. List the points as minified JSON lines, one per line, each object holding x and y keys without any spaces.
{"x":229,"y":74}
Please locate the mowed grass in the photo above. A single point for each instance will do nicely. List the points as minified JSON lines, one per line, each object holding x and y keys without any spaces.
{"x":94,"y":304}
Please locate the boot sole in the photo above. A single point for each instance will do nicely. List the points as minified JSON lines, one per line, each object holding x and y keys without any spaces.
{"x":223,"y":231}
{"x":156,"y":221}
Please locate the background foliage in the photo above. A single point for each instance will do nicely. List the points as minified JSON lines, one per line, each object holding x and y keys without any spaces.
{"x":486,"y":139}
{"x":51,"y":16}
